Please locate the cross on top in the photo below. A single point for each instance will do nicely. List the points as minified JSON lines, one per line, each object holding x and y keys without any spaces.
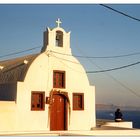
{"x":58,"y":22}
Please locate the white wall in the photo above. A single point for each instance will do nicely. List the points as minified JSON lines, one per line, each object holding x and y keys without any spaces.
{"x":119,"y":124}
{"x":39,"y":78}
{"x":19,"y":117}
{"x":7,"y":115}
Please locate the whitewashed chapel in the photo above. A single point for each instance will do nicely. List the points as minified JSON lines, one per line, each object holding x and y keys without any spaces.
{"x":46,"y":91}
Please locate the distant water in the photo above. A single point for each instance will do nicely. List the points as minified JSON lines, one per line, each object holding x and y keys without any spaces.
{"x":133,"y":116}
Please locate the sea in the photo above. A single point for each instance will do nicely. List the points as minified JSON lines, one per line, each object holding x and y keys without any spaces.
{"x":128,"y":115}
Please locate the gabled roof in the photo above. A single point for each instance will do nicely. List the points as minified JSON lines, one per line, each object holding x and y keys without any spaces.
{"x":15,"y":69}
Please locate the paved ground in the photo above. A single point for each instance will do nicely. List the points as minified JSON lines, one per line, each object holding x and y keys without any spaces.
{"x":100,"y":130}
{"x":105,"y":131}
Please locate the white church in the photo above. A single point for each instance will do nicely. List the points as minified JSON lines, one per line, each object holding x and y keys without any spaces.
{"x":46,"y":91}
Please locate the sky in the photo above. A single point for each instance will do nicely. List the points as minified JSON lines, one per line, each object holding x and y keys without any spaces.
{"x":95,"y":31}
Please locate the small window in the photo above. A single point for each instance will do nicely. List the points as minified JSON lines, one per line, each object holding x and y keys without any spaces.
{"x":37,"y":101}
{"x":78,"y":101}
{"x":59,"y":39}
{"x":59,"y":79}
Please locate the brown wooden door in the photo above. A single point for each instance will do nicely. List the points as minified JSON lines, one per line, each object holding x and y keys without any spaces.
{"x":58,"y":113}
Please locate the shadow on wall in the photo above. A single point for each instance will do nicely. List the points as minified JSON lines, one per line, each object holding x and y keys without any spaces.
{"x":8,"y":92}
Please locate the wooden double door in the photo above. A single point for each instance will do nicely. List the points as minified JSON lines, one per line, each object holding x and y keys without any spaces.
{"x":58,"y":113}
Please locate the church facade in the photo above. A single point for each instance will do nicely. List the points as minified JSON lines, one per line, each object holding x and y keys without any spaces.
{"x":46,"y":91}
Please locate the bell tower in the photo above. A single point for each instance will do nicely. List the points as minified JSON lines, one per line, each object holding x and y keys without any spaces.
{"x":56,"y":39}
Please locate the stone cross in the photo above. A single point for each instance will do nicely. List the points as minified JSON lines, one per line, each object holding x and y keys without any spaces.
{"x":58,"y":22}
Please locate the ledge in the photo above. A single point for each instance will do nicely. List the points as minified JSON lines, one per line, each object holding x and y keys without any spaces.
{"x":119,"y":124}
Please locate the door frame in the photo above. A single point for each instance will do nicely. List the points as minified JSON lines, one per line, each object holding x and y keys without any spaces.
{"x":66,"y":100}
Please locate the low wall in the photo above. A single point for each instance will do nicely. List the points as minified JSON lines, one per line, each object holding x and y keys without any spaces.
{"x":119,"y":124}
{"x":7,"y":115}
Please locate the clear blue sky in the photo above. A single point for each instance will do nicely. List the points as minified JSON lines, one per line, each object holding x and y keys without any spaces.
{"x":95,"y":31}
